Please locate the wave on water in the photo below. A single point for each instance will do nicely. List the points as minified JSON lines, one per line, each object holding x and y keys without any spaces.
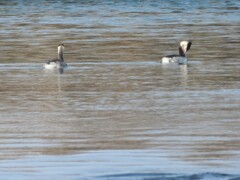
{"x":170,"y":176}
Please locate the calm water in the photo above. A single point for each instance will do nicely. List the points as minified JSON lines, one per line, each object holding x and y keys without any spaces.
{"x":116,"y":112}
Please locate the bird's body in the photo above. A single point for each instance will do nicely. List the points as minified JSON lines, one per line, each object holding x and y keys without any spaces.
{"x":55,"y":64}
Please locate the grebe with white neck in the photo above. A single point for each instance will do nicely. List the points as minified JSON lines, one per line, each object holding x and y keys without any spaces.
{"x":57,"y":63}
{"x":181,"y":58}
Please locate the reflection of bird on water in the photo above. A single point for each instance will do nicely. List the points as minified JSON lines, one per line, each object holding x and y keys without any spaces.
{"x":181,"y":58}
{"x":57,"y":63}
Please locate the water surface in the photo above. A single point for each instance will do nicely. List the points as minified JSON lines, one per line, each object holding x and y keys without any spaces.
{"x":116,"y":112}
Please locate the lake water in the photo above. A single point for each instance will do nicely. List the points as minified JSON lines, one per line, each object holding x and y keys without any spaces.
{"x":116,"y":112}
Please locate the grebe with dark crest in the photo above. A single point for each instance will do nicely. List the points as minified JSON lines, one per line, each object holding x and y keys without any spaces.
{"x":57,"y":63}
{"x":181,"y":58}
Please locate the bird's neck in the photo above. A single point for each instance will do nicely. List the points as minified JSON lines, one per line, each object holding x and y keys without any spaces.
{"x":60,"y":54}
{"x":181,"y":52}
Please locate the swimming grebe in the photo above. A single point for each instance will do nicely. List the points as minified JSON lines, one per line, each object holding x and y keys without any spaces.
{"x":181,"y":58}
{"x":57,"y":63}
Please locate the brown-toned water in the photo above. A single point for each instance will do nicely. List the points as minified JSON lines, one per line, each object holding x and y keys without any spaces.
{"x":116,"y":112}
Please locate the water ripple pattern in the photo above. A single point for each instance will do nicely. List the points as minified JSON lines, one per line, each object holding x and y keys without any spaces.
{"x":116,"y":112}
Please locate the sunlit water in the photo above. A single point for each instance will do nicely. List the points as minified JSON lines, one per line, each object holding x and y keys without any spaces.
{"x":116,"y":112}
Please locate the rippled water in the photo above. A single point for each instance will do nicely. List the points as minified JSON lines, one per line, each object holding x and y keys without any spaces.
{"x":116,"y":112}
